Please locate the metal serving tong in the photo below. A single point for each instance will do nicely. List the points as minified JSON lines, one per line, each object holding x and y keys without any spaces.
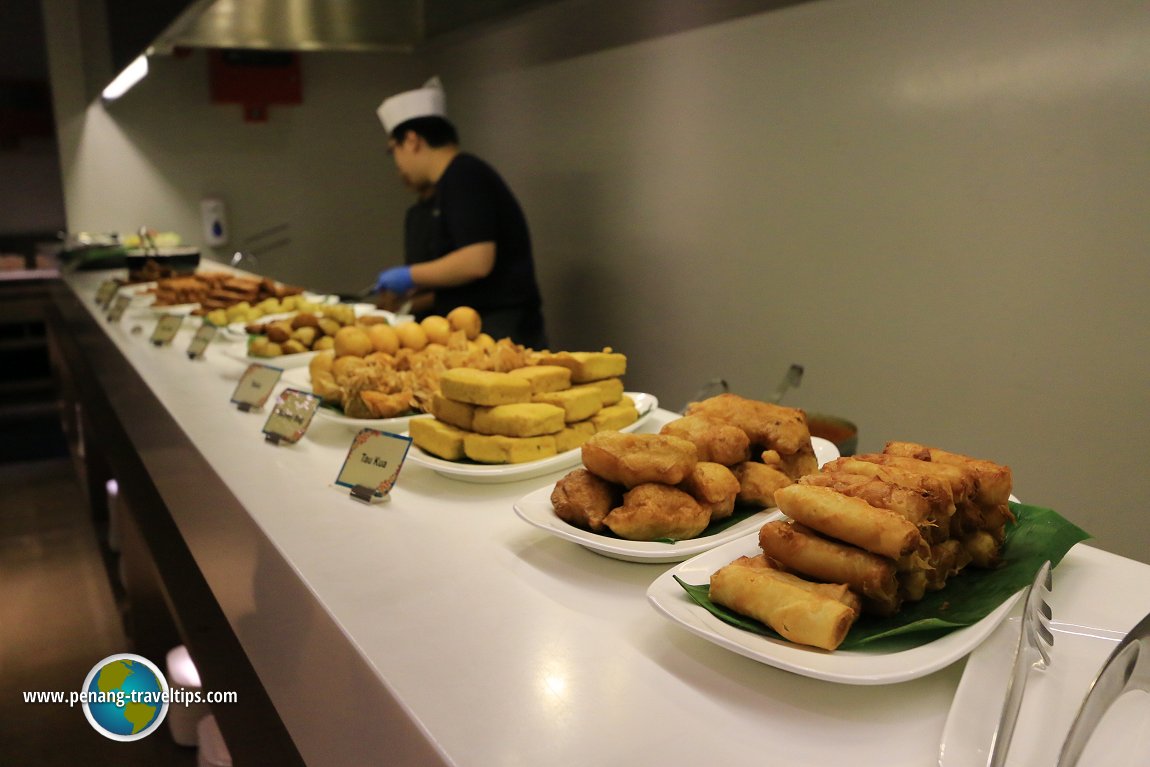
{"x":1127,"y":668}
{"x":1033,"y":652}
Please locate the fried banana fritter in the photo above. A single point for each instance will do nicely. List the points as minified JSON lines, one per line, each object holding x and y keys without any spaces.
{"x":714,"y":440}
{"x":636,"y":459}
{"x":652,"y":511}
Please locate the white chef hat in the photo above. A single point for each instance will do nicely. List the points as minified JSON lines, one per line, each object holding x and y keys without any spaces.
{"x":428,"y":101}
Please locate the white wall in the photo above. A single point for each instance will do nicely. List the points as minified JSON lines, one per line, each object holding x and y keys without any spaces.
{"x":937,"y":208}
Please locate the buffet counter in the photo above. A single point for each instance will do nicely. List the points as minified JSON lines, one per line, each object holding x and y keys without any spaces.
{"x":438,"y":627}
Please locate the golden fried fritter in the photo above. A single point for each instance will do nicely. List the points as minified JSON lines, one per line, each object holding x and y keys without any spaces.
{"x":583,"y":500}
{"x":652,"y":511}
{"x":714,"y":440}
{"x":758,"y":483}
{"x":767,"y":425}
{"x":635,"y":459}
{"x":714,"y":486}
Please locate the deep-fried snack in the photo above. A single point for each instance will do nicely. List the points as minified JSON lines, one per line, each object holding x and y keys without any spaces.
{"x":933,"y":488}
{"x":574,"y":435}
{"x":577,"y":404}
{"x":758,"y":483}
{"x":384,"y":405}
{"x":635,"y":459}
{"x":617,"y":416}
{"x":450,"y":411}
{"x":438,"y":438}
{"x":785,"y":603}
{"x":544,"y":378}
{"x":651,"y":511}
{"x":583,"y":500}
{"x":589,"y":366}
{"x":714,"y":487}
{"x":798,"y":549}
{"x":483,"y":387}
{"x":715,"y":441}
{"x":960,"y":479}
{"x":610,"y":390}
{"x":496,"y":448}
{"x":766,"y":424}
{"x":849,"y":519}
{"x":522,"y":419}
{"x":995,"y":481}
{"x":913,"y":506}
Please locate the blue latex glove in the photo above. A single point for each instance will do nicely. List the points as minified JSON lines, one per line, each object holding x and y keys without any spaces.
{"x":397,"y":280}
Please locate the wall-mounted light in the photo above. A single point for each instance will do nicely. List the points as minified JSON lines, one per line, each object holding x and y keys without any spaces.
{"x":132,"y":74}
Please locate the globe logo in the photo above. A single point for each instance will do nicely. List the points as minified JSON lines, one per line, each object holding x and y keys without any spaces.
{"x":125,"y":697}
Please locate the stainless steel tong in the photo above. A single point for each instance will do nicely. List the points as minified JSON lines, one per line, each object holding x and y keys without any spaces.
{"x":1127,"y":668}
{"x":1033,"y":652}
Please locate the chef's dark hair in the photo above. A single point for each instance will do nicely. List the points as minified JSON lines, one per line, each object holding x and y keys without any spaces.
{"x":436,"y":131}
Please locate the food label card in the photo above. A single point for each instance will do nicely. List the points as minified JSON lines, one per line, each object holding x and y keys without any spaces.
{"x":200,"y":341}
{"x":290,"y":417}
{"x":118,"y":308}
{"x":104,"y":295}
{"x":166,"y":329}
{"x":255,"y":386}
{"x":373,"y":463}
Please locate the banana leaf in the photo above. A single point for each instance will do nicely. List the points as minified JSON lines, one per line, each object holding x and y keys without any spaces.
{"x":1037,"y":535}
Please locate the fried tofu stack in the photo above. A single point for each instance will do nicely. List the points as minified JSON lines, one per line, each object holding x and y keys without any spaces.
{"x":527,"y":413}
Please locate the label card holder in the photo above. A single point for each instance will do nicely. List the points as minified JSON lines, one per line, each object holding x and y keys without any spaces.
{"x":255,"y":386}
{"x":200,"y":341}
{"x":290,"y":417}
{"x":166,"y":329}
{"x":118,"y":308}
{"x":372,"y":465}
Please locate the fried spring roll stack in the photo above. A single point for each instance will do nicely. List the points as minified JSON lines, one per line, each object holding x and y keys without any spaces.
{"x":800,"y":550}
{"x":801,"y":611}
{"x":890,"y":527}
{"x":853,"y":520}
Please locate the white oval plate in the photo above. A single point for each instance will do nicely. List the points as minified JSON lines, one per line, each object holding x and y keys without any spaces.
{"x":397,"y":425}
{"x":646,"y":404}
{"x":844,"y":666}
{"x":536,"y":509}
{"x":285,"y":361}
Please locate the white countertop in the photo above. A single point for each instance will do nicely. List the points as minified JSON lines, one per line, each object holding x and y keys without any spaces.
{"x":440,"y":624}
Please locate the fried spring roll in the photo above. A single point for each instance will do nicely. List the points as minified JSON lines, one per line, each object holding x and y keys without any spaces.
{"x":802,"y":551}
{"x":937,"y":491}
{"x":961,"y":480}
{"x":783,"y":602}
{"x":911,"y":505}
{"x":840,"y":591}
{"x":995,"y":481}
{"x":849,"y":519}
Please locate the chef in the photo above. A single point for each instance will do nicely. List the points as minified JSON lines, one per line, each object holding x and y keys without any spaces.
{"x":476,"y":249}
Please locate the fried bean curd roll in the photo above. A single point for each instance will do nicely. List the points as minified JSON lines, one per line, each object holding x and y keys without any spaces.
{"x":849,"y":519}
{"x":766,"y":424}
{"x":995,"y":481}
{"x":783,"y":602}
{"x":800,"y":550}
